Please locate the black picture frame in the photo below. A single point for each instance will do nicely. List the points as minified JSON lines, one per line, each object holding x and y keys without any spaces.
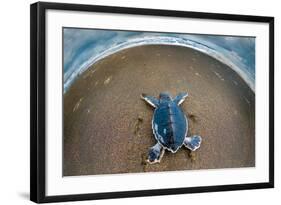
{"x":38,"y":101}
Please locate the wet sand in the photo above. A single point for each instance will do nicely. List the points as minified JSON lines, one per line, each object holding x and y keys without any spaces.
{"x":107,"y":126}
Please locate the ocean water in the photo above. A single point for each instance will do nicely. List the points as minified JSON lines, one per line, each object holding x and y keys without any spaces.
{"x":84,"y":47}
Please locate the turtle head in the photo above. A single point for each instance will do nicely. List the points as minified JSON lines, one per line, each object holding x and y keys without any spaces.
{"x":164,"y":97}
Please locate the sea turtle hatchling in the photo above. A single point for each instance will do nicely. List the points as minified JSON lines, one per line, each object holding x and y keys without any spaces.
{"x":170,"y":126}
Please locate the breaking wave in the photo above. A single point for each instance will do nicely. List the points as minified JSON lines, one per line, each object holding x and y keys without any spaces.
{"x":219,"y":53}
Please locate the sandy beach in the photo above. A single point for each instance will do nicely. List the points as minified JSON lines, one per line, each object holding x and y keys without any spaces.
{"x":107,"y":126}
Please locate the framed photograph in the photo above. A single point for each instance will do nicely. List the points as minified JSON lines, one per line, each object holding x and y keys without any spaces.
{"x":129,"y":102}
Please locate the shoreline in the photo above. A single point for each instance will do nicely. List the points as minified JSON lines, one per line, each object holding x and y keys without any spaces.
{"x":181,"y":42}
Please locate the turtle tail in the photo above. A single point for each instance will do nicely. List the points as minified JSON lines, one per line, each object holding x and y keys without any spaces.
{"x":193,"y":143}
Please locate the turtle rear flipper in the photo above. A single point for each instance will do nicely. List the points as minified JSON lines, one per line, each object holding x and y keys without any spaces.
{"x":192,"y":143}
{"x":155,"y":154}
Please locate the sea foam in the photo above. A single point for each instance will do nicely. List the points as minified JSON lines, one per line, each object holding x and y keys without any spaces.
{"x":223,"y":55}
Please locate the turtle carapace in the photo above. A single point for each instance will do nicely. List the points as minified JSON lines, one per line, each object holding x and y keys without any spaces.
{"x":170,"y":126}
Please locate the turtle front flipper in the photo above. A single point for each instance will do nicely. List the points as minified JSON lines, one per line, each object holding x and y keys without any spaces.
{"x":192,"y":143}
{"x":155,"y":154}
{"x":180,"y":98}
{"x":150,"y":100}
